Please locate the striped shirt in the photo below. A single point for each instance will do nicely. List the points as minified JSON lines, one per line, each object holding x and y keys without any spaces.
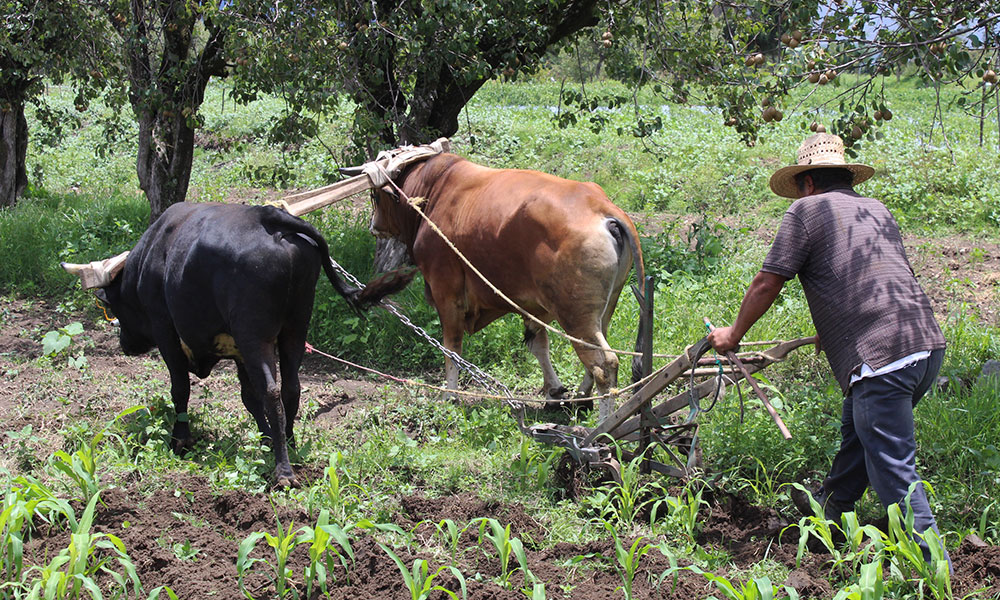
{"x":864,"y":300}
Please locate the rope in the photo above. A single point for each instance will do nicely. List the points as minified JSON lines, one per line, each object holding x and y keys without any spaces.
{"x":510,"y":399}
{"x":104,"y":309}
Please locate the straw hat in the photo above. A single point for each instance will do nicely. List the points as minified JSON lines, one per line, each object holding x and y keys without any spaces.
{"x":817,"y":151}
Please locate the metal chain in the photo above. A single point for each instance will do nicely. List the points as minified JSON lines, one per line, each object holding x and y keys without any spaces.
{"x":478,"y":375}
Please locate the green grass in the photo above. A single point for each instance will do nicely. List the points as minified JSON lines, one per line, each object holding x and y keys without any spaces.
{"x":81,"y":208}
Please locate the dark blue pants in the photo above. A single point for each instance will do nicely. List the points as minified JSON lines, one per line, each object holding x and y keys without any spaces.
{"x":877,"y":446}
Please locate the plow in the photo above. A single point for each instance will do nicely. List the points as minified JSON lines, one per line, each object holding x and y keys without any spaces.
{"x":646,"y":422}
{"x":657,"y":421}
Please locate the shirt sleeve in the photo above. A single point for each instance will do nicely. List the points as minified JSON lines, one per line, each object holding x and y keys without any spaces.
{"x":790,"y":248}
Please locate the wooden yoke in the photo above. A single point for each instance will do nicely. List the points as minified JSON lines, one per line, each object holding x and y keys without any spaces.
{"x":374,"y":174}
{"x":300,"y":204}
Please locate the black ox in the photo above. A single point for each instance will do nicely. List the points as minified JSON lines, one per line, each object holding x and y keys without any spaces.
{"x":213,"y":281}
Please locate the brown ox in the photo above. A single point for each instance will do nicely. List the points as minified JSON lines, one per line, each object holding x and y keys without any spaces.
{"x":560,"y":249}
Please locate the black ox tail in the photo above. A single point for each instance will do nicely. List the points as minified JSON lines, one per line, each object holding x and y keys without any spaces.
{"x":623,"y":235}
{"x":277,"y":220}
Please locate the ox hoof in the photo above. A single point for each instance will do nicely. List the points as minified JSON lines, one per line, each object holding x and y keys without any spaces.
{"x":556,"y":393}
{"x":284,"y":481}
{"x":181,"y":446}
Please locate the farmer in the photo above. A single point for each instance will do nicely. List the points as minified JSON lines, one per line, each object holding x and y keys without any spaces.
{"x":875,"y":323}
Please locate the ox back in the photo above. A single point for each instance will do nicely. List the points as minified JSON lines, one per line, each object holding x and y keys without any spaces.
{"x":558,"y":248}
{"x":213,"y":281}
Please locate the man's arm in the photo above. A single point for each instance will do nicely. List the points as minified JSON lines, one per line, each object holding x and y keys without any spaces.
{"x":759,"y":297}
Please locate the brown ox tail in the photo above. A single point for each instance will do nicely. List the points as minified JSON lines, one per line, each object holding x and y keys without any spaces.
{"x":626,"y":233}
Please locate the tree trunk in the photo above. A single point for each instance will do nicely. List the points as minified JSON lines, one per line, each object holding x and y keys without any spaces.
{"x":166,"y":152}
{"x":166,"y":92}
{"x":13,"y":150}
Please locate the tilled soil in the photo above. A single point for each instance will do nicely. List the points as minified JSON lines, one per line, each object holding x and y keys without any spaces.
{"x":214,"y":524}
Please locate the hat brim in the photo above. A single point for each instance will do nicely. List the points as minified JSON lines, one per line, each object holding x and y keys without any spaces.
{"x":783,"y":181}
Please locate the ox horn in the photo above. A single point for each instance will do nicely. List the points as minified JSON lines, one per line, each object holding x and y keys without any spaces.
{"x":99,"y":273}
{"x":351,"y":171}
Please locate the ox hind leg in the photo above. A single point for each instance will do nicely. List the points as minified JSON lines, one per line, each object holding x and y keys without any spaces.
{"x":252,"y":401}
{"x":601,"y":365}
{"x":599,"y":361}
{"x":291,"y":349}
{"x":261,"y":372}
{"x":537,"y":340}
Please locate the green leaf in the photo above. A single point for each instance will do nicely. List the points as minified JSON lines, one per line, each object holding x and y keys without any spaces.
{"x":73,"y":329}
{"x":54,"y":342}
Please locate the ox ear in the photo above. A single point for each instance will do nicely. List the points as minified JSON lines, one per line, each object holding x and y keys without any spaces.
{"x":389,"y":191}
{"x":102,"y":296}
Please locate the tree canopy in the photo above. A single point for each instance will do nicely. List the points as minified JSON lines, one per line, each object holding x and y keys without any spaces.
{"x":43,"y":40}
{"x":408,"y":69}
{"x":747,"y":58}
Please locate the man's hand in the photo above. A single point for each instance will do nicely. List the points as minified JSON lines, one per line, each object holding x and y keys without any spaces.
{"x":759,"y":297}
{"x":724,"y":339}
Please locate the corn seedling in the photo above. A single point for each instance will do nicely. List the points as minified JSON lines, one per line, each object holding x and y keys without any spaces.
{"x":989,"y":529}
{"x":870,"y":584}
{"x":22,"y":504}
{"x":818,"y":527}
{"x":624,"y":500}
{"x":627,"y":560}
{"x":533,"y":465}
{"x":14,"y":519}
{"x":81,"y":466}
{"x":906,"y":557}
{"x":451,"y":535}
{"x":72,"y":572}
{"x":759,"y":588}
{"x":506,"y":547}
{"x":405,"y":536}
{"x":341,"y":499}
{"x":673,"y":570}
{"x":283,"y":543}
{"x":420,"y":582}
{"x":862,"y":542}
{"x":682,"y":510}
{"x":535,"y":592}
{"x":327,"y":541}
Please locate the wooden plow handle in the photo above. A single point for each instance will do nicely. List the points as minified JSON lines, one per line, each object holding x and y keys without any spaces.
{"x":733,"y":359}
{"x":627,"y":429}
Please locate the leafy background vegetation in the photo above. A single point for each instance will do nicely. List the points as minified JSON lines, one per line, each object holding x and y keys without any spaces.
{"x":700,"y":206}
